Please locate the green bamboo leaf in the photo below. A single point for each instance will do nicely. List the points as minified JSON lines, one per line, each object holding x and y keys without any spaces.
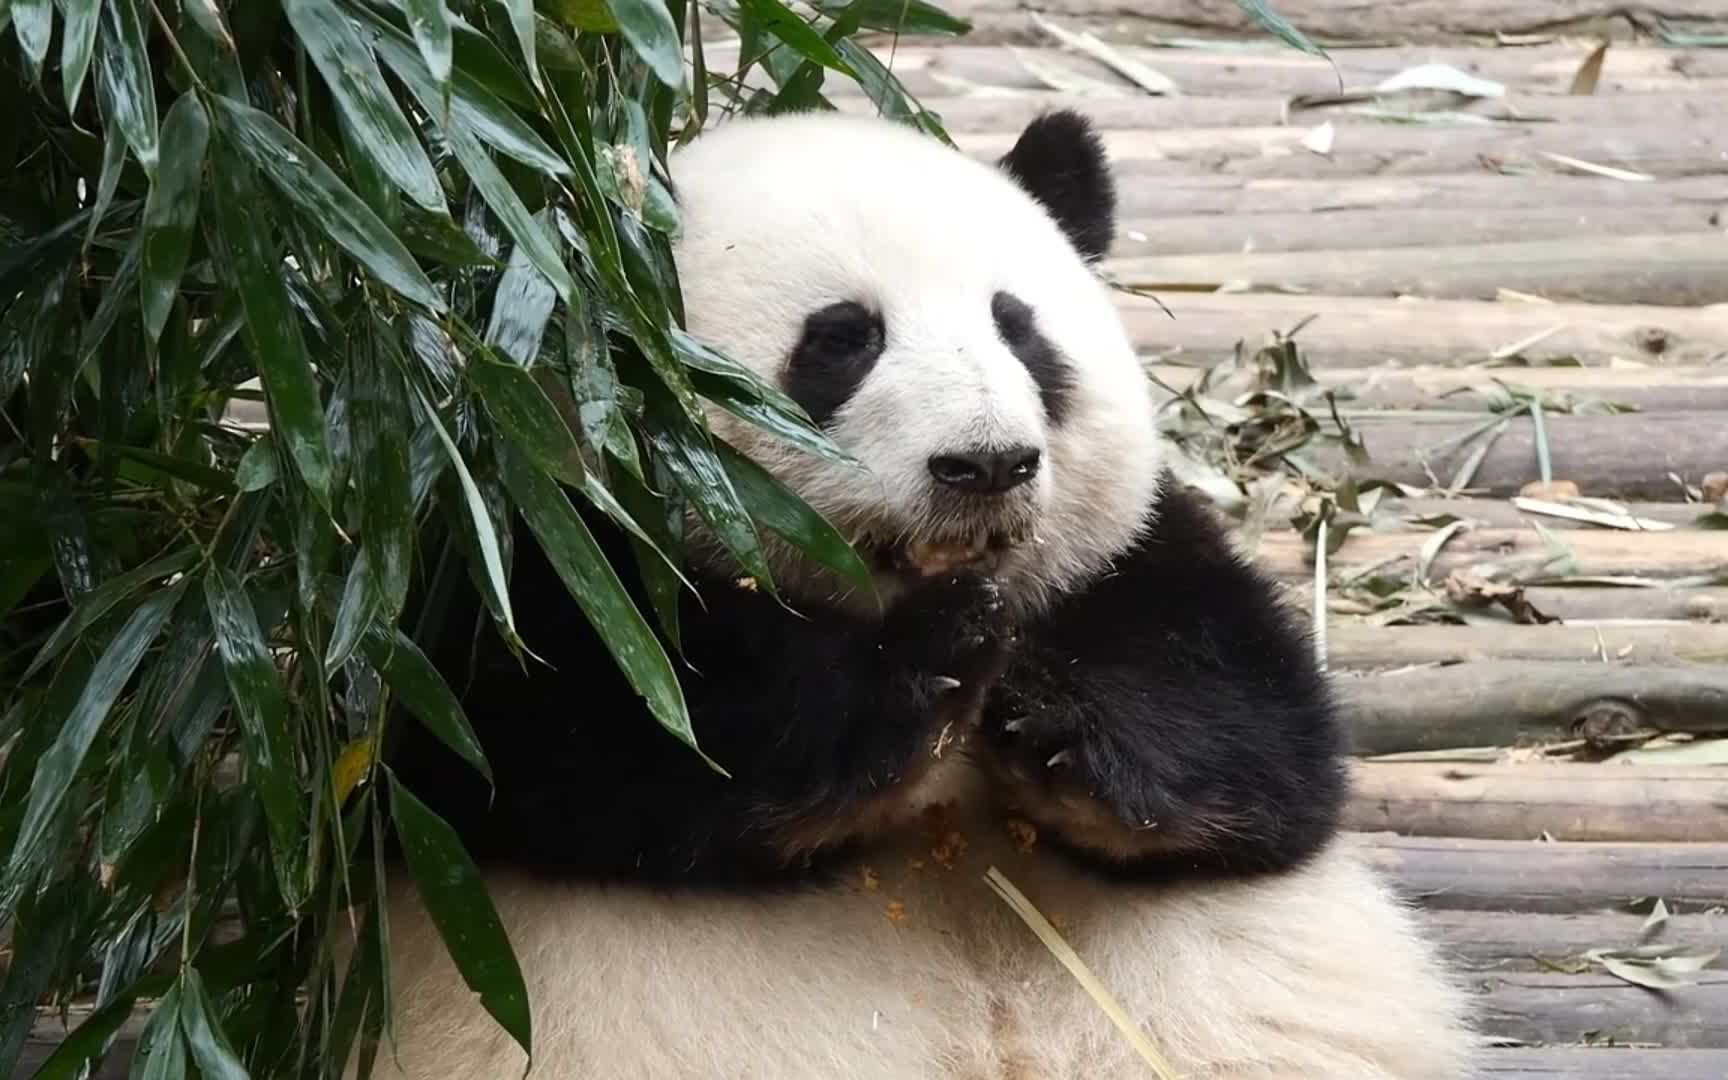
{"x":591,"y":580}
{"x":1280,"y":27}
{"x":204,"y":1035}
{"x":315,"y":188}
{"x":33,"y":22}
{"x":776,"y":506}
{"x":171,"y":209}
{"x":647,"y":25}
{"x":483,"y":530}
{"x":41,"y":935}
{"x":264,"y":718}
{"x":381,"y":429}
{"x":131,"y":84}
{"x":473,"y":109}
{"x":113,"y":159}
{"x":521,"y":307}
{"x":798,"y":35}
{"x":536,"y":243}
{"x":59,"y":766}
{"x":522,"y":21}
{"x":101,"y":600}
{"x":257,"y":468}
{"x":352,"y":74}
{"x":456,"y":898}
{"x":697,"y":470}
{"x":589,"y":15}
{"x":89,"y":1038}
{"x":161,"y":1053}
{"x":897,"y":16}
{"x":751,"y":397}
{"x":429,"y":22}
{"x":423,"y":691}
{"x":521,"y":408}
{"x":271,"y":323}
{"x":77,"y":45}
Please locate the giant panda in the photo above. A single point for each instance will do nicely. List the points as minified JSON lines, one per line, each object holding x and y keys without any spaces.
{"x":1064,"y":672}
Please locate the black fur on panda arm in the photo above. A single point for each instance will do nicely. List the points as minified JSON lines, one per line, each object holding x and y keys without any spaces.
{"x":1171,"y":719}
{"x":817,"y":716}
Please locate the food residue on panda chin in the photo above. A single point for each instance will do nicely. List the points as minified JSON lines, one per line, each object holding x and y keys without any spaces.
{"x":1023,"y":833}
{"x":872,"y":880}
{"x":941,"y":556}
{"x":949,"y":849}
{"x":746,"y":583}
{"x":896,"y":912}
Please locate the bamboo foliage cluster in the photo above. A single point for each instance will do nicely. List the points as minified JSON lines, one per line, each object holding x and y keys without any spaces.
{"x":408,"y":227}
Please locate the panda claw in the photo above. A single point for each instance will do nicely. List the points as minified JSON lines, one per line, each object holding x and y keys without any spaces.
{"x":1013,"y":724}
{"x":944,"y":683}
{"x":1059,"y":759}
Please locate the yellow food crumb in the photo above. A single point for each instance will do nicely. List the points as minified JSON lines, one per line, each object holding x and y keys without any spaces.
{"x":1023,"y":833}
{"x":872,"y":880}
{"x":896,"y":912}
{"x":951,"y":847}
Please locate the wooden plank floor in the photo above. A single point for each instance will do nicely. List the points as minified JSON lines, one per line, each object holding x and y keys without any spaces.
{"x":1432,"y":259}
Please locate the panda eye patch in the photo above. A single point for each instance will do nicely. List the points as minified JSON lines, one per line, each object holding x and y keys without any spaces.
{"x":1018,"y":328}
{"x":839,"y":346}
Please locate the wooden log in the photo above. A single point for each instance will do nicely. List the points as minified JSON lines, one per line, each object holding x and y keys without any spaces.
{"x":1363,"y":331}
{"x":1359,"y":229}
{"x":1602,"y":1063}
{"x":1565,"y":801}
{"x":1415,"y":21}
{"x":1503,"y":514}
{"x":1474,"y":190}
{"x":1680,"y":270}
{"x":1548,"y":1007}
{"x":1500,"y":702}
{"x":1607,"y":605}
{"x":1596,"y":552}
{"x":1369,"y":647}
{"x":1627,"y":456}
{"x":1399,"y":149}
{"x":1452,"y":874}
{"x":1514,"y":941}
{"x":1132,"y":110}
{"x":1455,"y":389}
{"x":1259,"y":67}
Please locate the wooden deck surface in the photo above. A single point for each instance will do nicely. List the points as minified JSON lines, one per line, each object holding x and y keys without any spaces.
{"x":1535,"y":786}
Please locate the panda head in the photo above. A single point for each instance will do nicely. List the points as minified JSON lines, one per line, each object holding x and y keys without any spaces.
{"x":940,"y":318}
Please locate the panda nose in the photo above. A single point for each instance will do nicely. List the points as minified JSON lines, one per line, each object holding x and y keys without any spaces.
{"x":986,"y":472}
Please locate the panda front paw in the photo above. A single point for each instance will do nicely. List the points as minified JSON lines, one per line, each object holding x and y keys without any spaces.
{"x":1056,"y":761}
{"x":954,"y":630}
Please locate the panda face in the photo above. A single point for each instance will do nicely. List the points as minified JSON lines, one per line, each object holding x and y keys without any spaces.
{"x":937,"y":316}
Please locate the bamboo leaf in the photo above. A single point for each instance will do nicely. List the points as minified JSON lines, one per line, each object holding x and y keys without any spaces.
{"x":647,"y":25}
{"x":419,"y":686}
{"x":594,"y":584}
{"x":310,"y":184}
{"x":518,"y":404}
{"x":92,"y":1035}
{"x":99,"y":601}
{"x":161,"y":1053}
{"x":171,"y":209}
{"x":131,"y":85}
{"x":352,"y":74}
{"x":33,"y":22}
{"x":483,"y":530}
{"x":81,"y":19}
{"x":429,"y":22}
{"x":1280,"y":27}
{"x":272,"y":326}
{"x":257,"y":468}
{"x":897,"y":16}
{"x":522,"y":21}
{"x":520,"y":308}
{"x":264,"y":719}
{"x":455,"y":897}
{"x":776,"y":506}
{"x":473,"y":109}
{"x":204,"y":1035}
{"x":798,"y":35}
{"x":702,"y":478}
{"x":59,"y":766}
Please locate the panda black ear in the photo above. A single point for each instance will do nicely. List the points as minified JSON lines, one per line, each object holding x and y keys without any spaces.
{"x":1059,"y":160}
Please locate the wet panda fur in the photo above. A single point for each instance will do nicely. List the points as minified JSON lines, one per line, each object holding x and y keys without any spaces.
{"x":1074,"y":680}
